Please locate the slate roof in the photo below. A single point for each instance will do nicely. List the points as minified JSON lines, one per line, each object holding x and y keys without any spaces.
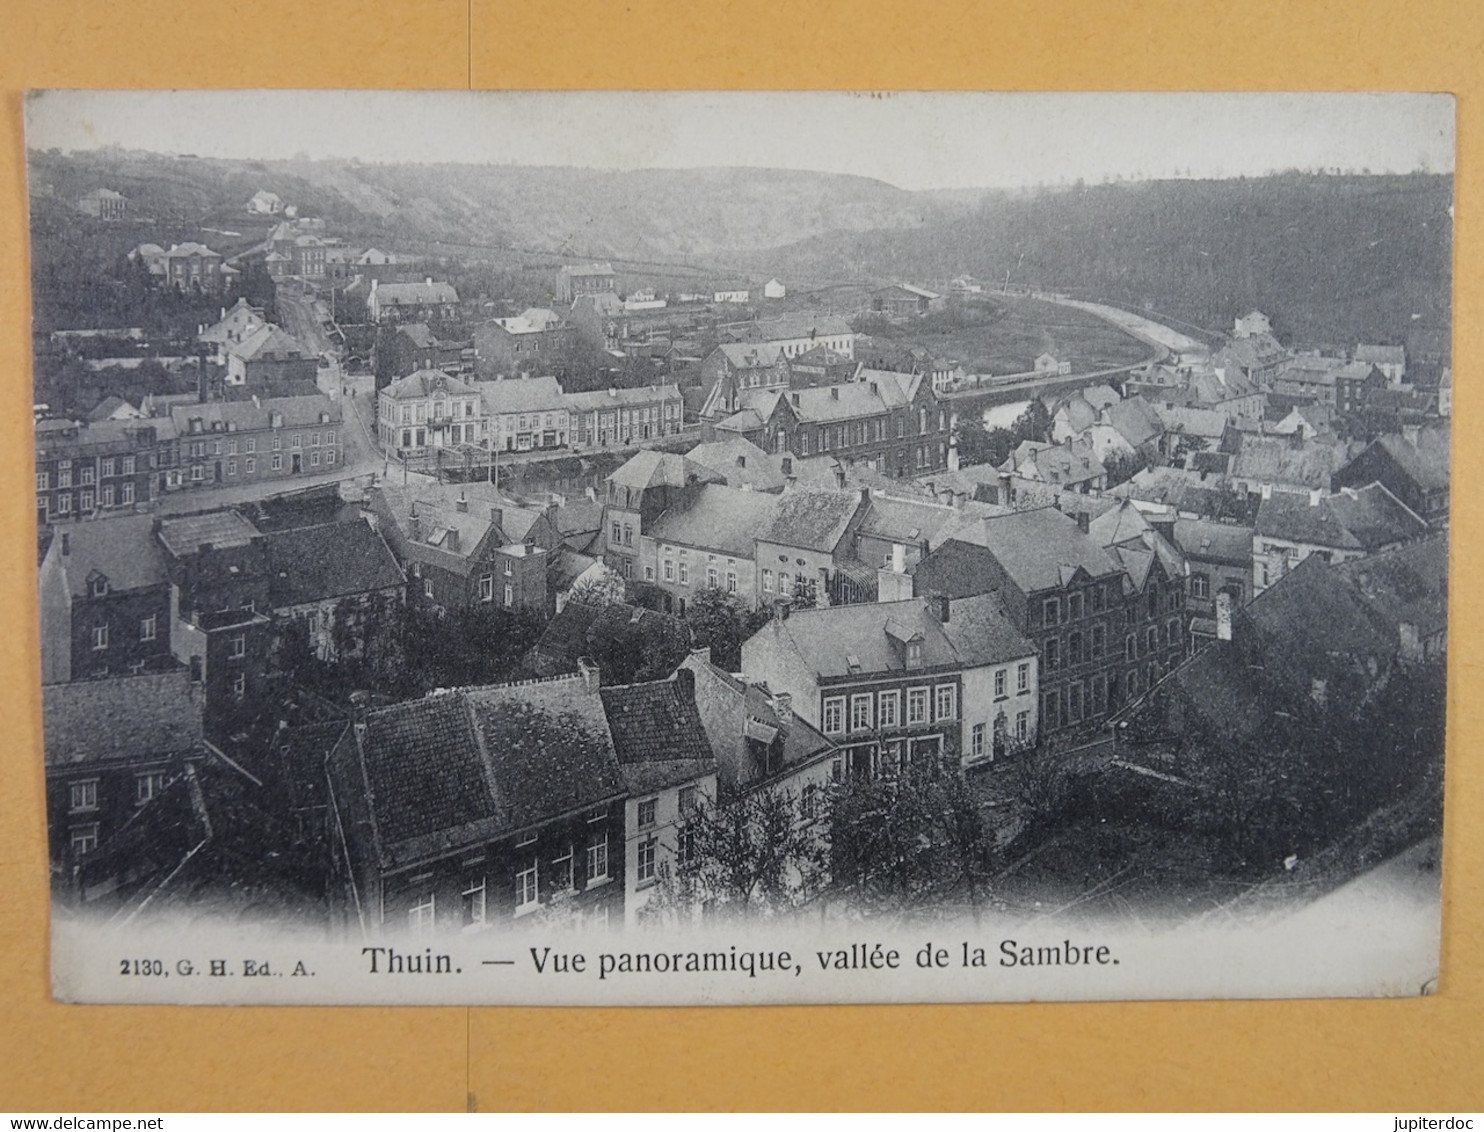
{"x":613,"y":398}
{"x":1381,"y":355}
{"x":1135,"y":420}
{"x":465,"y":767}
{"x":268,"y":341}
{"x":400,"y":294}
{"x":1408,"y":583}
{"x":906,"y":520}
{"x":757,"y":469}
{"x":1040,"y":549}
{"x":1367,"y":519}
{"x":827,"y":639}
{"x":122,"y":549}
{"x":801,"y":325}
{"x":331,"y":560}
{"x":651,"y":468}
{"x":1209,"y":424}
{"x":1056,"y":463}
{"x":424,"y":383}
{"x":1122,"y":523}
{"x":811,"y":519}
{"x":751,"y":355}
{"x":297,"y":412}
{"x":222,"y":529}
{"x":1209,"y":541}
{"x":438,"y":511}
{"x":1426,"y":462}
{"x":121,"y":718}
{"x":521,"y":395}
{"x":728,"y":520}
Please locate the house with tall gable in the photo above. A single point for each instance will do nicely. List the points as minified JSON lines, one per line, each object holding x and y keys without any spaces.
{"x":1390,"y":360}
{"x":435,"y":303}
{"x":1352,"y":523}
{"x":469,"y":545}
{"x":709,"y":542}
{"x":523,"y":343}
{"x":238,"y":322}
{"x":1412,"y":465}
{"x":914,"y":682}
{"x":270,"y":362}
{"x":430,"y":409}
{"x":734,"y":367}
{"x":644,"y":487}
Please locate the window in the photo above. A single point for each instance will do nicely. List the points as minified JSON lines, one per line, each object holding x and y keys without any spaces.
{"x":917,"y":705}
{"x":83,"y":795}
{"x":428,"y":588}
{"x":1051,"y":653}
{"x":731,"y":581}
{"x":889,"y":708}
{"x":684,"y":570}
{"x":947,"y":702}
{"x":126,"y":466}
{"x":106,"y":466}
{"x":108,"y":495}
{"x":617,"y":533}
{"x":509,"y":596}
{"x":561,"y":872}
{"x":1131,"y":647}
{"x":330,"y":437}
{"x":486,"y":587}
{"x":237,"y":646}
{"x":43,"y":481}
{"x":1099,"y":640}
{"x":1023,"y":678}
{"x":767,"y":581}
{"x":64,"y":505}
{"x":85,"y":501}
{"x":314,"y":459}
{"x":231,"y":467}
{"x":148,"y":785}
{"x":1172,"y":633}
{"x":1074,"y":607}
{"x":1074,"y":649}
{"x":239,"y":686}
{"x":669,"y":569}
{"x":834,"y":715}
{"x":628,"y":535}
{"x":277,"y":462}
{"x":644,"y":872}
{"x":1049,"y":611}
{"x":1151,"y":638}
{"x":250,"y":466}
{"x":298,"y":441}
{"x":422,"y":915}
{"x":712,"y":575}
{"x":1051,"y":709}
{"x":1097,"y":599}
{"x":147,"y":628}
{"x":473,"y":900}
{"x":809,"y":802}
{"x":1074,"y":703}
{"x":100,"y":637}
{"x":860,"y":712}
{"x":84,"y":839}
{"x":976,"y":741}
{"x":252,"y":445}
{"x":526,"y":887}
{"x":1200,"y":586}
{"x":647,"y":809}
{"x":785,"y":583}
{"x":1022,"y":725}
{"x":100,"y":587}
{"x":999,"y":682}
{"x":597,"y":859}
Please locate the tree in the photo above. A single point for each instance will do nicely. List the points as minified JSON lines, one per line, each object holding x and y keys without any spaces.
{"x":750,"y":856}
{"x":1123,"y":466}
{"x":980,"y":445}
{"x":719,"y":621}
{"x":600,"y":586}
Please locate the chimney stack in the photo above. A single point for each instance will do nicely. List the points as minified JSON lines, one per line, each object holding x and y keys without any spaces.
{"x":1315,"y":495}
{"x":787,"y":465}
{"x":1223,"y":616}
{"x":1083,"y":521}
{"x":462,"y":503}
{"x":941,"y":607}
{"x":783,"y":707}
{"x":66,"y":544}
{"x":592,"y":679}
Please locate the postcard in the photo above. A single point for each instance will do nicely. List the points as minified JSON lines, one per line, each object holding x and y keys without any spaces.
{"x":721,"y":548}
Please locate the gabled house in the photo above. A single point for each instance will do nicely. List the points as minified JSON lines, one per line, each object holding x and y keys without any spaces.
{"x":576,"y":280}
{"x":1390,"y":360}
{"x":526,"y":414}
{"x":1219,"y":557}
{"x":1352,"y":523}
{"x":1413,"y":466}
{"x":430,"y":409}
{"x":434,"y":303}
{"x":903,"y":300}
{"x":479,"y":807}
{"x":269,"y":361}
{"x":1268,"y":464}
{"x":238,"y":322}
{"x":668,"y":768}
{"x":468,"y":545}
{"x":525,"y":343}
{"x":734,"y":367}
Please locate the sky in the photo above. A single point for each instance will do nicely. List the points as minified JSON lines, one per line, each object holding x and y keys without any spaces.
{"x":911,"y":140}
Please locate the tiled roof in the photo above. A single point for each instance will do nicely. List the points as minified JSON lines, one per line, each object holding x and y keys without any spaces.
{"x":657,"y":722}
{"x":246,"y":415}
{"x":460,"y":768}
{"x":121,"y":718}
{"x":332,"y":560}
{"x":641,"y":395}
{"x":728,"y":520}
{"x":651,"y":468}
{"x":221,"y":528}
{"x":811,"y":519}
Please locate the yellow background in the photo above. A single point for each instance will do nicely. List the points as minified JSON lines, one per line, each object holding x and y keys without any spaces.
{"x":1381,"y":1055}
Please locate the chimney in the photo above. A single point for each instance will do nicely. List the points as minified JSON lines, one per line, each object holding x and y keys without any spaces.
{"x":373,"y":283}
{"x":1267,"y":491}
{"x":1315,"y":495}
{"x":451,"y":541}
{"x":898,"y":558}
{"x":783,"y":707}
{"x":787,"y":465}
{"x":1223,"y":616}
{"x":795,"y":397}
{"x":462,"y":502}
{"x":414,"y":524}
{"x":497,"y":516}
{"x":1412,"y":433}
{"x":834,"y":392}
{"x":940,"y":607}
{"x":66,"y":544}
{"x":742,"y":461}
{"x":840,"y":476}
{"x":1083,"y":521}
{"x":428,"y":280}
{"x":256,"y":404}
{"x":865,"y":495}
{"x":592,"y":679}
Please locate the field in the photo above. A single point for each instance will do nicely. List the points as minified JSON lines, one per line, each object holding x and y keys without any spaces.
{"x":1007,"y":335}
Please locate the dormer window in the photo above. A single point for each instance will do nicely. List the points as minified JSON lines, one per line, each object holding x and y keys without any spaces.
{"x":914,"y":654}
{"x":100,"y":586}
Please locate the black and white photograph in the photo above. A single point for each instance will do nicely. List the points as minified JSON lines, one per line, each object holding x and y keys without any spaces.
{"x":714,"y":548}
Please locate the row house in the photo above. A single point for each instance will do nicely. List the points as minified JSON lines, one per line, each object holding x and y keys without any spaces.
{"x":1255,"y":359}
{"x":86,"y":469}
{"x":710,"y":543}
{"x":1352,"y":523}
{"x":430,"y":302}
{"x":797,"y":334}
{"x":526,"y":414}
{"x":914,"y":682}
{"x":625,"y":416}
{"x":532,"y":340}
{"x":226,"y":443}
{"x":113,"y":746}
{"x":668,"y":769}
{"x":467,"y":545}
{"x":890,"y":421}
{"x":105,"y":601}
{"x":1107,"y":622}
{"x":404,"y":348}
{"x":430,"y":409}
{"x":479,"y":807}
